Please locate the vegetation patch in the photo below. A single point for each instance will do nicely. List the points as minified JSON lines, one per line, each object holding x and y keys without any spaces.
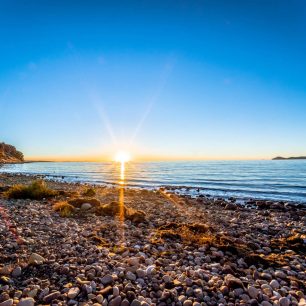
{"x":296,"y":243}
{"x":187,"y":233}
{"x":89,"y":192}
{"x":115,"y":208}
{"x":37,"y":190}
{"x":64,"y":209}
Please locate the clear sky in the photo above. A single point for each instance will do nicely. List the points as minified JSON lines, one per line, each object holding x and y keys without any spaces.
{"x":162,"y":79}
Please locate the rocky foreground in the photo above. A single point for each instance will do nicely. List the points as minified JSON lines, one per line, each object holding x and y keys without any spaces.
{"x":178,"y":251}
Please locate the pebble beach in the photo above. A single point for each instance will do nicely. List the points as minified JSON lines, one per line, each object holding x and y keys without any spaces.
{"x":149,"y":247}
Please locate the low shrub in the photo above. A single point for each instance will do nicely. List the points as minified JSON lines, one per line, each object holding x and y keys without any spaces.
{"x":37,"y":190}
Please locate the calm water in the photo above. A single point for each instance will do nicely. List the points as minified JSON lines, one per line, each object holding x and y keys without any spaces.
{"x":281,"y":180}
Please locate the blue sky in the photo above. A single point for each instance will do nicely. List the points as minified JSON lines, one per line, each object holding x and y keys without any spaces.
{"x":162,"y":79}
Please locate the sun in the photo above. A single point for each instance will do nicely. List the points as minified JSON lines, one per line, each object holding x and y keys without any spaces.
{"x":122,"y":157}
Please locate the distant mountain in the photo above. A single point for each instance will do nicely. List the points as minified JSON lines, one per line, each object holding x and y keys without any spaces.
{"x":9,"y":154}
{"x":286,"y":158}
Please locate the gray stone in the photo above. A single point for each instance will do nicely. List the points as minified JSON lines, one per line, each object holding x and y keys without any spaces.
{"x":284,"y":301}
{"x":107,"y":279}
{"x":131,"y":276}
{"x":253,"y":292}
{"x":86,"y":206}
{"x":274,"y":284}
{"x":115,"y":301}
{"x":26,"y":302}
{"x":135,"y":303}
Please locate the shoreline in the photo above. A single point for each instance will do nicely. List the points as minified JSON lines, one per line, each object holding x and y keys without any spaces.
{"x":188,"y":251}
{"x":178,"y":189}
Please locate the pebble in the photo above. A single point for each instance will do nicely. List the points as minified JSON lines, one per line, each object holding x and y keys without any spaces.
{"x":274,"y":284}
{"x":131,"y":276}
{"x":133,"y":261}
{"x":135,"y":302}
{"x":302,"y":302}
{"x":86,"y":206}
{"x":266,"y":303}
{"x":141,"y":273}
{"x":5,"y":270}
{"x":116,"y":291}
{"x":36,"y":259}
{"x":107,"y":279}
{"x":280,"y":274}
{"x":8,"y":302}
{"x":253,"y":292}
{"x":52,"y":296}
{"x":232,"y":281}
{"x":73,"y":292}
{"x":187,"y":303}
{"x":284,"y":301}
{"x":150,"y":270}
{"x":26,"y":302}
{"x":115,"y":301}
{"x":16,"y":272}
{"x":125,"y":302}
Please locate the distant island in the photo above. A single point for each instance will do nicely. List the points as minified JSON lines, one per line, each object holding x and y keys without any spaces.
{"x":9,"y":154}
{"x":286,"y":158}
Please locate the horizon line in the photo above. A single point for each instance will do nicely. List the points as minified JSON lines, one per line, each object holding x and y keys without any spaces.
{"x":144,"y":159}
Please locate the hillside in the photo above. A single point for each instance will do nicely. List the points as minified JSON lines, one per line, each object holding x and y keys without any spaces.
{"x":9,"y":154}
{"x":286,"y":158}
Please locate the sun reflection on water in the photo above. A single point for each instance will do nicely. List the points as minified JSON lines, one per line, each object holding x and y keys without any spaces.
{"x":121,"y":202}
{"x":122,"y":173}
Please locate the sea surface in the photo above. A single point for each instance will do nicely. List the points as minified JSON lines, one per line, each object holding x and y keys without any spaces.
{"x":275,"y":180}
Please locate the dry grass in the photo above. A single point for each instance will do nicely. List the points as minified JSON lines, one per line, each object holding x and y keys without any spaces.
{"x":187,"y":233}
{"x":89,"y":192}
{"x":37,"y":190}
{"x":65,"y":210}
{"x":114,"y":208}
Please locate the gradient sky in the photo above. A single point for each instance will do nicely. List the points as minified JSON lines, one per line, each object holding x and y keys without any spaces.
{"x":162,"y":79}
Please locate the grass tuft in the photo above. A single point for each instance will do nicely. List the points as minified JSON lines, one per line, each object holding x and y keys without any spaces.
{"x":37,"y":190}
{"x":64,"y":209}
{"x":89,"y":192}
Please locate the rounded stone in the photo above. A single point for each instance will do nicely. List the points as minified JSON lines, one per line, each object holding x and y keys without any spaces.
{"x":115,"y":301}
{"x":131,"y":276}
{"x":8,"y":302}
{"x":26,"y":302}
{"x":253,"y":292}
{"x":135,"y":303}
{"x":86,"y":206}
{"x":36,"y":259}
{"x":284,"y":301}
{"x":274,"y":284}
{"x":73,"y":292}
{"x":187,"y":303}
{"x":107,"y":279}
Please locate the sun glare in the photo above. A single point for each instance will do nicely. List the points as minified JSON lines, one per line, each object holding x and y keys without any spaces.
{"x":122,"y":157}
